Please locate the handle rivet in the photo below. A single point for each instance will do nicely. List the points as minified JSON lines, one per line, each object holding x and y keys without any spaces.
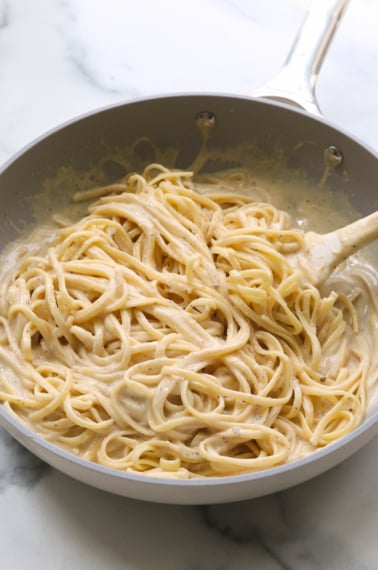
{"x":333,"y":155}
{"x":205,"y":121}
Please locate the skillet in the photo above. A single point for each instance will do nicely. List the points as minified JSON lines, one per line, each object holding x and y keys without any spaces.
{"x":275,"y":118}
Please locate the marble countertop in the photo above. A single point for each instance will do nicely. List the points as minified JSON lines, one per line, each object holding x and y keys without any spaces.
{"x":60,"y":58}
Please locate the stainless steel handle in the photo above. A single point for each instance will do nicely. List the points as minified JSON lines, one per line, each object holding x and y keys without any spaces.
{"x":295,"y":84}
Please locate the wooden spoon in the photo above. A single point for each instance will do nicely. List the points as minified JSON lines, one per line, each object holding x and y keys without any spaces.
{"x":324,"y":252}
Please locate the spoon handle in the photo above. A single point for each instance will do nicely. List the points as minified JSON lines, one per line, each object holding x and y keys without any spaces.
{"x":326,"y":251}
{"x":356,"y":235}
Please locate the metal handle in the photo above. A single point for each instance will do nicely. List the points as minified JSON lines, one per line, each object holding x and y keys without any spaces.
{"x":295,"y":84}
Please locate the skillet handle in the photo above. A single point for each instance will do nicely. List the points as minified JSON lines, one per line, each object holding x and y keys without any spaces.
{"x":295,"y":84}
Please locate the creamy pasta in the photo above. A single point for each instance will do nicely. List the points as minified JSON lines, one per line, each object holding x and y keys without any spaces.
{"x":167,"y":333}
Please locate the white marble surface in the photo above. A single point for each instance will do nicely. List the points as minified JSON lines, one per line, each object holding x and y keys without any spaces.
{"x":59,"y":58}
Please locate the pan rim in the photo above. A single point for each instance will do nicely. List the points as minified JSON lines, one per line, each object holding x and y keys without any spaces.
{"x":7,"y":420}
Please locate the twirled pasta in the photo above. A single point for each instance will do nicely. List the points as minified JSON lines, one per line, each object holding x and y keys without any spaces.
{"x":167,"y":333}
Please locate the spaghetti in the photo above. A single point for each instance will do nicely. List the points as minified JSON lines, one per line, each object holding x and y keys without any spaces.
{"x":166,"y":333}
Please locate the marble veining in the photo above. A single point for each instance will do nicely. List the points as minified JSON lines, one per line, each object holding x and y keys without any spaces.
{"x":127,"y":57}
{"x":314,"y":525}
{"x":81,"y":56}
{"x":289,"y":543}
{"x":18,"y":467}
{"x":61,"y":58}
{"x":4,"y":15}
